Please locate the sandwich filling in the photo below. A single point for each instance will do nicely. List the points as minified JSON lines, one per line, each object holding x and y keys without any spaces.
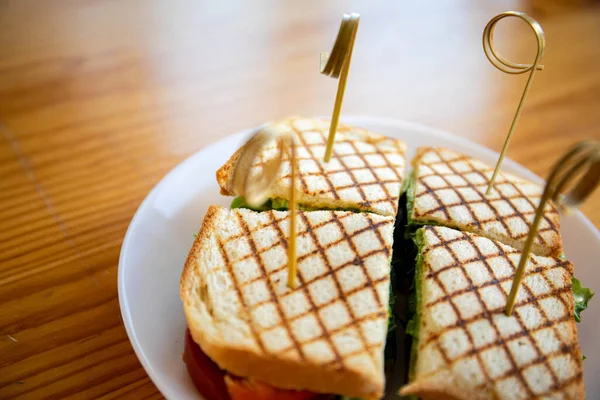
{"x":281,"y":204}
{"x":414,"y":305}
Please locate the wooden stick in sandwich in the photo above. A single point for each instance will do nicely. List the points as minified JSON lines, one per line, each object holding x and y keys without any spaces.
{"x":336,"y":65}
{"x":510,"y":67}
{"x":582,"y":160}
{"x":256,"y":188}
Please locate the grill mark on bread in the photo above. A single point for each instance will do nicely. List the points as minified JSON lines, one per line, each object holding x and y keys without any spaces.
{"x":551,"y":224}
{"x":240,"y":295}
{"x":369,"y":348}
{"x":461,"y":321}
{"x":502,"y":220}
{"x":549,"y":282}
{"x":497,"y":282}
{"x":466,"y":203}
{"x":541,"y":310}
{"x":534,"y":362}
{"x":261,"y":163}
{"x":359,"y":260}
{"x":372,"y":226}
{"x":318,"y":278}
{"x":476,"y":222}
{"x":481,"y":258}
{"x":355,"y":184}
{"x":332,"y":190}
{"x":443,"y":207}
{"x":567,"y":382}
{"x":508,"y":199}
{"x":488,"y":314}
{"x":332,"y":332}
{"x":303,"y":284}
{"x":541,"y":359}
{"x":274,"y":298}
{"x":388,"y":162}
{"x":500,"y":311}
{"x":319,"y":353}
{"x":313,"y":308}
{"x":535,"y":304}
{"x":432,"y":192}
{"x":342,"y":295}
{"x":516,"y":212}
{"x":314,"y":252}
{"x":366,"y":203}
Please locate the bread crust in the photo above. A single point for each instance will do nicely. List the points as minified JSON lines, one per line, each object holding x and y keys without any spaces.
{"x":244,"y":358}
{"x":441,"y":387}
{"x":225,"y":174}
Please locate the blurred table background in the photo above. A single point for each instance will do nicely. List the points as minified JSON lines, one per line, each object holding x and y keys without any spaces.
{"x":100,"y":99}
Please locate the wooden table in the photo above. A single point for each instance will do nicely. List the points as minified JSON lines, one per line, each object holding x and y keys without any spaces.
{"x":100,"y":99}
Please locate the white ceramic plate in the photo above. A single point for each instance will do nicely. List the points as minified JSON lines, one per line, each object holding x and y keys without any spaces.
{"x":162,"y":232}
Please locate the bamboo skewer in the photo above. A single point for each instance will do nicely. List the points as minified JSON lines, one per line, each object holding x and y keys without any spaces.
{"x":336,"y":65}
{"x":582,"y":160}
{"x":512,"y":68}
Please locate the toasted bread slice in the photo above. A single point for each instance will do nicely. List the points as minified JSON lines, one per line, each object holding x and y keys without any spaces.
{"x":449,"y":189}
{"x":467,"y":348}
{"x":366,"y":170}
{"x":328,"y":334}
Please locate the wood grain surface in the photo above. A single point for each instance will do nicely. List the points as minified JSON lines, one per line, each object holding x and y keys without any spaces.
{"x":100,"y":99}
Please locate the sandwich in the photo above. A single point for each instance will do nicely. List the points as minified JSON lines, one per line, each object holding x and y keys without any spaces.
{"x":365,"y":173}
{"x":251,"y":336}
{"x":465,"y":347}
{"x":257,"y":337}
{"x":447,"y":188}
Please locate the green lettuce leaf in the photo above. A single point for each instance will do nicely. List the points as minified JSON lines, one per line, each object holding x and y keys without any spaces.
{"x":410,"y":199}
{"x":581,"y":295}
{"x":280,"y":204}
{"x":277,"y":203}
{"x":411,"y":225}
{"x":412,"y":328}
{"x":391,"y":317}
{"x":240,"y":202}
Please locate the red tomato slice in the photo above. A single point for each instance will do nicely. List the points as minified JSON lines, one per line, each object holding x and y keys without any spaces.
{"x":244,"y":389}
{"x":215,"y":384}
{"x":206,"y":375}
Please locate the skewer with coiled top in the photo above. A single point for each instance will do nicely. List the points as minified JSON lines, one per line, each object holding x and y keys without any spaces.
{"x":582,"y":160}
